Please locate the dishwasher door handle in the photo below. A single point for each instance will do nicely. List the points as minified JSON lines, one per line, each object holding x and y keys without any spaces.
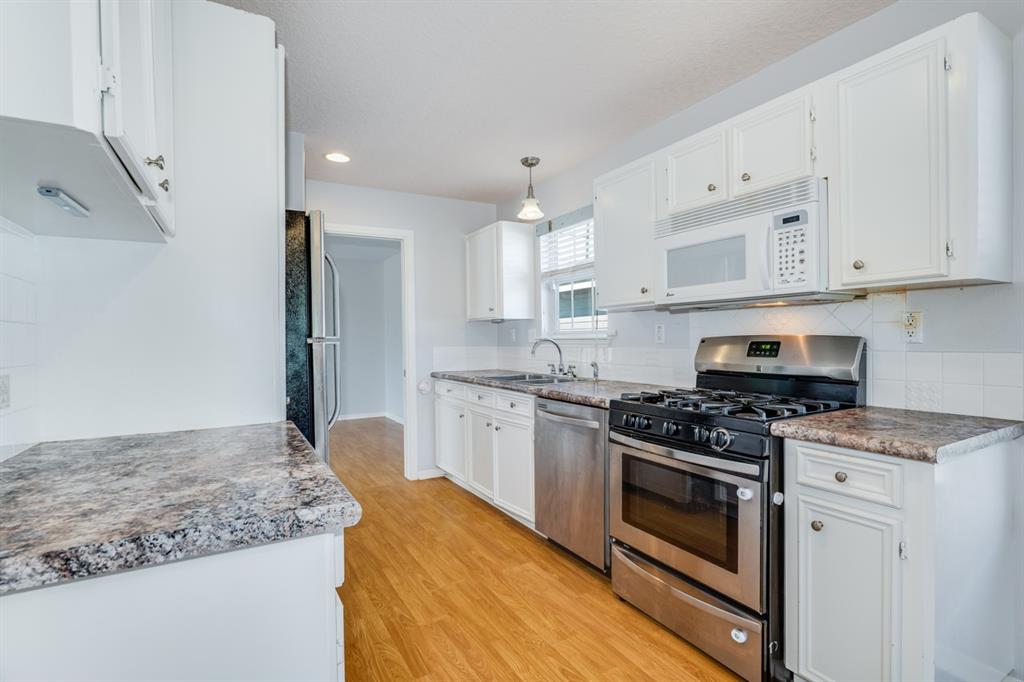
{"x":585,"y":423}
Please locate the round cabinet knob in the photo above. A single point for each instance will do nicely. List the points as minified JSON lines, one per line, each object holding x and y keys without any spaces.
{"x":461,"y":416}
{"x":745,"y":177}
{"x":165,"y":185}
{"x":816,"y":525}
{"x":491,"y":309}
{"x":497,"y":428}
{"x":719,"y":438}
{"x":489,"y":424}
{"x":744,"y":493}
{"x":512,"y":406}
{"x":643,"y":290}
{"x":841,"y":476}
{"x":712,"y":187}
{"x":858,"y":264}
{"x":739,"y":636}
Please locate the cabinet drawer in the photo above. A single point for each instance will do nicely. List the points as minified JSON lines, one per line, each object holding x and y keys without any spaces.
{"x":480,"y":397}
{"x":864,"y":479}
{"x":450,"y":389}
{"x":517,"y":403}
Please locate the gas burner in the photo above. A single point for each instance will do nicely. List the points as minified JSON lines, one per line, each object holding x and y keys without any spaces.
{"x":760,"y":407}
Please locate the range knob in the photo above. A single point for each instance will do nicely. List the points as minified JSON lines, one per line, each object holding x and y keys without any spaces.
{"x":671,"y":429}
{"x":643,"y":423}
{"x":720,"y":439}
{"x":700,"y":434}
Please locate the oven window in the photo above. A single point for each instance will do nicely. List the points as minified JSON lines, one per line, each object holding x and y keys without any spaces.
{"x":695,"y":513}
{"x":724,"y":260}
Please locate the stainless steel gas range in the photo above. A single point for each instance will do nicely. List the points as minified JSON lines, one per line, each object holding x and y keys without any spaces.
{"x":695,"y":489}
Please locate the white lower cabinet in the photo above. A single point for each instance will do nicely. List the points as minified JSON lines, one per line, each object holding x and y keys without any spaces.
{"x":513,"y":466}
{"x":896,"y":569}
{"x":450,"y":437}
{"x":484,"y":441}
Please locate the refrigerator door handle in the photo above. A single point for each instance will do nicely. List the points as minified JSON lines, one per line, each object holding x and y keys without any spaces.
{"x":318,"y":334}
{"x":337,"y":345}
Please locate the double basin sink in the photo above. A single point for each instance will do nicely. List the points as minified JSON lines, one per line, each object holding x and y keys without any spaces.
{"x":533,"y":379}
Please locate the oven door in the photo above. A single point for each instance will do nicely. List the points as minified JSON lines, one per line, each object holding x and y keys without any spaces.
{"x":718,"y":262}
{"x":698,"y":514}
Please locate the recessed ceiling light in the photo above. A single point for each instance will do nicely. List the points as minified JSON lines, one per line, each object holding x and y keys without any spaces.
{"x":337,"y":157}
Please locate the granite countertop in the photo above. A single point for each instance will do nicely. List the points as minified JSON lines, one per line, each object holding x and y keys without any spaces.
{"x":84,"y":508}
{"x":583,"y":391}
{"x":908,"y":434}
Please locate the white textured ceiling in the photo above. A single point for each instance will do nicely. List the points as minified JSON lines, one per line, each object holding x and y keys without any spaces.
{"x":443,"y":98}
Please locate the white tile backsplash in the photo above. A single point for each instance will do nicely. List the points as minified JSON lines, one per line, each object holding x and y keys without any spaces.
{"x":1003,"y":402}
{"x":19,"y":272}
{"x":962,"y":399}
{"x":924,"y":395}
{"x":961,"y":368}
{"x":924,"y":367}
{"x":887,"y":393}
{"x":888,"y":365}
{"x":1003,"y":369}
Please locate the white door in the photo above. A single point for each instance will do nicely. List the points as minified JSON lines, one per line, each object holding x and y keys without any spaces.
{"x":719,"y":262}
{"x":848,"y":595}
{"x":771,"y":145}
{"x":450,"y":437}
{"x":129,"y":102}
{"x":482,"y":274}
{"x":481,"y":452}
{"x":889,"y":213}
{"x":695,"y":173}
{"x":623,"y":230}
{"x":513,"y":467}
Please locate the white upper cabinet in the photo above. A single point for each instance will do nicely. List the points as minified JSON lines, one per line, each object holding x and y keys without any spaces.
{"x":106,"y":108}
{"x":624,"y":215}
{"x":695,"y":172}
{"x":500,"y":272}
{"x":772,"y":144}
{"x":918,"y":159}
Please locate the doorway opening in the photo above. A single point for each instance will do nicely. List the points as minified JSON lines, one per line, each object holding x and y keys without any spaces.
{"x":369,"y":291}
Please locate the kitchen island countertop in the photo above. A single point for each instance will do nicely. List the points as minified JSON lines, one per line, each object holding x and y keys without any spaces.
{"x":84,"y":508}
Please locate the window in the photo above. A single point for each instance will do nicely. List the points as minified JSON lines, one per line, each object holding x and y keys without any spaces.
{"x":569,"y":300}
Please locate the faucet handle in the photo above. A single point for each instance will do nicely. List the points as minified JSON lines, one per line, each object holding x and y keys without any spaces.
{"x":571,"y":370}
{"x":554,"y":370}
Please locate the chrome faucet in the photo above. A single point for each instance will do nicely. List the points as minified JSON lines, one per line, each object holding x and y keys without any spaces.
{"x":561,"y":364}
{"x":593,"y":366}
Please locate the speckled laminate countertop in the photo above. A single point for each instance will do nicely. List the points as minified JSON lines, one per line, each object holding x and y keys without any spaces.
{"x":582,"y":392}
{"x":907,"y":434}
{"x":84,"y":508}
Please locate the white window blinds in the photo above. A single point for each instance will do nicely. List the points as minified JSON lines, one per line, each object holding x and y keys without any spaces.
{"x":568,"y":249}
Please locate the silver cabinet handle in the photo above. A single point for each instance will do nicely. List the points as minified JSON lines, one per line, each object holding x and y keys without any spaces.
{"x":165,"y":185}
{"x":497,"y":428}
{"x":712,"y":187}
{"x":745,"y":177}
{"x":841,"y":476}
{"x":858,"y":264}
{"x":816,"y":526}
{"x":669,"y":293}
{"x":158,"y":162}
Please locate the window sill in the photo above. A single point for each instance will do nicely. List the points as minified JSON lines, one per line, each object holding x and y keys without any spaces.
{"x":587,"y":338}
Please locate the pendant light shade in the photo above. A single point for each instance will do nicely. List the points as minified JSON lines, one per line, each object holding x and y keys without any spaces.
{"x":531,"y":207}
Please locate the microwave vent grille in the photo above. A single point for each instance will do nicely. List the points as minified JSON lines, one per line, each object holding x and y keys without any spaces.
{"x":771,"y":199}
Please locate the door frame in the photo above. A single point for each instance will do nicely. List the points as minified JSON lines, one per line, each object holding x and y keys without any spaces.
{"x":405,"y":238}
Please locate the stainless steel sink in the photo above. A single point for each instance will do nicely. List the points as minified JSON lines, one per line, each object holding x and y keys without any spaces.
{"x":532,"y":379}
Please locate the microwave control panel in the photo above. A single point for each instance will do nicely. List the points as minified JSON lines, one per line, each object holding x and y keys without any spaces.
{"x":791,"y":249}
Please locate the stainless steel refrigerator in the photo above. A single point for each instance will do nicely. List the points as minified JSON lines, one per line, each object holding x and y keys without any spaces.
{"x":311,"y":330}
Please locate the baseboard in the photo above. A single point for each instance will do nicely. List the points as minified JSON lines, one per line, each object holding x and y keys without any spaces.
{"x":367,"y":415}
{"x":429,"y":473}
{"x":395,"y":418}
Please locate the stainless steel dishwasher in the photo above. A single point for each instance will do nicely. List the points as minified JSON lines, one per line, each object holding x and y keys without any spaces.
{"x":571,"y":474}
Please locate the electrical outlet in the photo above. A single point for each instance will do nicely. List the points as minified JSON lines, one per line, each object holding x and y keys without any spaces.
{"x":5,"y":391}
{"x":913,"y":327}
{"x":659,"y":333}
{"x":513,"y":334}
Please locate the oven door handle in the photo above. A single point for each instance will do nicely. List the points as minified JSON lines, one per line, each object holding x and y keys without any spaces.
{"x":721,"y":464}
{"x":585,"y":423}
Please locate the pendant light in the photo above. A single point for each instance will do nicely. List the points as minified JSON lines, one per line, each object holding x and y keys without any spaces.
{"x":531,"y":207}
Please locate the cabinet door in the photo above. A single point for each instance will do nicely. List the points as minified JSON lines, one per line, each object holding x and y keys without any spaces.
{"x":624,"y":233}
{"x":129,"y":101}
{"x":482,"y":274}
{"x":513,"y":467}
{"x":450,"y":437}
{"x":695,"y":173}
{"x":771,"y":145}
{"x":481,"y":452}
{"x":848,"y":594}
{"x":162,"y":174}
{"x":889,"y":212}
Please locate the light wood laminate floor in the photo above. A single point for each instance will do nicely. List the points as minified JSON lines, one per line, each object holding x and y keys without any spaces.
{"x":439,"y":585}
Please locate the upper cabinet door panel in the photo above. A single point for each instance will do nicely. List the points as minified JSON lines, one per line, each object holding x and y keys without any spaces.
{"x":771,"y":145}
{"x":892,"y":212}
{"x":624,"y":231}
{"x":482,"y":274}
{"x":129,"y":101}
{"x":695,"y":173}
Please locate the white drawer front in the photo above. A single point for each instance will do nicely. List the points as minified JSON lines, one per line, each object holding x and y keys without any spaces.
{"x":865,"y":479}
{"x":450,"y":389}
{"x":478,"y":396}
{"x":516,"y":403}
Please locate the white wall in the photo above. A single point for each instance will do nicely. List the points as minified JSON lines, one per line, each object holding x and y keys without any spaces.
{"x":146,"y":337}
{"x":394,"y":364}
{"x":439,"y":225}
{"x":19,"y":276}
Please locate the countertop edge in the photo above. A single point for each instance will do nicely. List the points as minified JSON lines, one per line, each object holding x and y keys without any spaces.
{"x":538,"y":391}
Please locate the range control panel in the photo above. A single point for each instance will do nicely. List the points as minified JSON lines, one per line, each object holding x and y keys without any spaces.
{"x":791,"y":249}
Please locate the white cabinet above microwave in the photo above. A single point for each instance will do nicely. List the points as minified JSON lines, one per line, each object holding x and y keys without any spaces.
{"x":86,"y":108}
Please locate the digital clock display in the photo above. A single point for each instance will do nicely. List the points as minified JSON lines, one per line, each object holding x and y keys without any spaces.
{"x":763,"y":349}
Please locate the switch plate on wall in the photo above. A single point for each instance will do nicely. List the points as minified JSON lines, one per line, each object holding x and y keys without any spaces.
{"x":659,"y":333}
{"x":913,"y":327}
{"x":5,"y":391}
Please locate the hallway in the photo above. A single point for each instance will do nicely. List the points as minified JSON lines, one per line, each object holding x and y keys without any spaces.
{"x":439,"y":585}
